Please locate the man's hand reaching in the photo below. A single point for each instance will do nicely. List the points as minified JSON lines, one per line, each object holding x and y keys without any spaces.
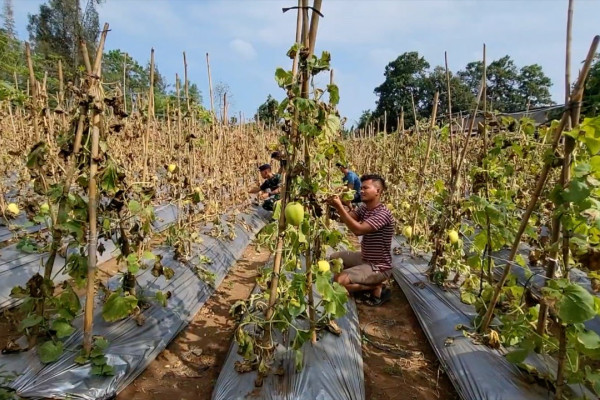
{"x":335,"y":202}
{"x":264,"y":196}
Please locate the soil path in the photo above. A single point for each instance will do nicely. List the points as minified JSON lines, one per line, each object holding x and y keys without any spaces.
{"x":399,"y":363}
{"x":190,"y":365}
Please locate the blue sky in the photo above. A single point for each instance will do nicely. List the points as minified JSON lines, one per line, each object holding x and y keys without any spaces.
{"x":248,"y":39}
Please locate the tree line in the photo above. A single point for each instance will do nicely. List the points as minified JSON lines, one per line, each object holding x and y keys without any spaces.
{"x":55,"y":33}
{"x":510,"y":89}
{"x":409,"y":78}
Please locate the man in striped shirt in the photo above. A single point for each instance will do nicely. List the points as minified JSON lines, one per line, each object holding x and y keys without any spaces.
{"x":368,"y":269}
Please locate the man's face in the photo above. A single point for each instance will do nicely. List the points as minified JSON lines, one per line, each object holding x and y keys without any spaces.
{"x":369,"y":190}
{"x":342,"y":170}
{"x":265,"y":173}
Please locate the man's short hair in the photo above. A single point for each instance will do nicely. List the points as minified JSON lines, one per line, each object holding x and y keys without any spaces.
{"x":264,"y":167}
{"x":375,"y":178}
{"x":340,"y":165}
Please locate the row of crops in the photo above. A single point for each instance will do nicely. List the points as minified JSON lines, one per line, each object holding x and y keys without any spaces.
{"x":505,"y":214}
{"x":118,"y":226}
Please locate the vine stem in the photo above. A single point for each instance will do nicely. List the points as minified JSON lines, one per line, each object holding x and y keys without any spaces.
{"x":562,"y":356}
{"x":576,"y":96}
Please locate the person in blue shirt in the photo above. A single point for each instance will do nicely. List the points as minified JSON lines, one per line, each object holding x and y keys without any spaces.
{"x":352,"y":181}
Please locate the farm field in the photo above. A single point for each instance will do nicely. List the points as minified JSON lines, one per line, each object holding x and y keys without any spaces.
{"x":152,"y":246}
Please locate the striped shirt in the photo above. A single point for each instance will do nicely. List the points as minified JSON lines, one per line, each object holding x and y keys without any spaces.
{"x":376,"y":247}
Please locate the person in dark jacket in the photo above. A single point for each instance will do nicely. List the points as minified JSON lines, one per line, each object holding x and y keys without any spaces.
{"x":270,"y":189}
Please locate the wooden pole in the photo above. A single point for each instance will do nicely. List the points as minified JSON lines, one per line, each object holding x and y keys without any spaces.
{"x":423,"y":168}
{"x":125,"y":82}
{"x":96,"y":92}
{"x":569,"y":146}
{"x":34,"y":95}
{"x":576,"y":96}
{"x":210,"y":88}
{"x":146,"y":138}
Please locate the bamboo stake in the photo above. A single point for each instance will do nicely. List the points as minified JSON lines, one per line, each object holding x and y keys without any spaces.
{"x":487,"y":182}
{"x":96,"y":91}
{"x":562,"y":356}
{"x":569,"y":146}
{"x":146,"y":138}
{"x":423,"y":168}
{"x":449,"y":110}
{"x":576,"y":96}
{"x":34,"y":95}
{"x":125,"y":82}
{"x":210,"y":88}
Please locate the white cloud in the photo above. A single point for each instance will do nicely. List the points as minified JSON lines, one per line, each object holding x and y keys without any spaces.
{"x":243,"y":48}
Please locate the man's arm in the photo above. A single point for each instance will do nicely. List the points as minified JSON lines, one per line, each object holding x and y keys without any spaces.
{"x":253,"y":190}
{"x":350,"y":219}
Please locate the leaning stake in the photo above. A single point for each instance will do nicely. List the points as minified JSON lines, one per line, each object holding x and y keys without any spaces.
{"x":576,"y":96}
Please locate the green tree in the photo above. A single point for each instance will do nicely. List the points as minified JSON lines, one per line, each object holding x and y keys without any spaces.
{"x":117,"y":63}
{"x":534,"y":86}
{"x":195,"y":94}
{"x":365,"y":119}
{"x":267,"y":111}
{"x":508,"y":88}
{"x":591,"y":95}
{"x":9,"y":19}
{"x":56,"y":30}
{"x":461,"y":96}
{"x":403,"y":77}
{"x":472,"y":75}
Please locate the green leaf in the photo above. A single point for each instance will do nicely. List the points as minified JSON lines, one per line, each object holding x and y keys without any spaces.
{"x":69,"y":300}
{"x":103,"y":370}
{"x":589,"y":339}
{"x":299,"y":359}
{"x":118,"y":307}
{"x":594,"y":378}
{"x":334,"y":94}
{"x":332,"y":125}
{"x":324,"y":287}
{"x":468,"y":297}
{"x":518,"y":356}
{"x":520,"y":260}
{"x":161,"y":298}
{"x":80,"y":359}
{"x":110,"y":178}
{"x":595,"y":164}
{"x":593,"y":144}
{"x":63,"y":328}
{"x":576,"y":305}
{"x":101,"y":343}
{"x":148,"y":255}
{"x":576,"y":192}
{"x":75,"y":228}
{"x":134,"y":206}
{"x":99,"y":360}
{"x":30,"y":321}
{"x":50,"y":351}
{"x":133,"y":265}
{"x":283,"y":77}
